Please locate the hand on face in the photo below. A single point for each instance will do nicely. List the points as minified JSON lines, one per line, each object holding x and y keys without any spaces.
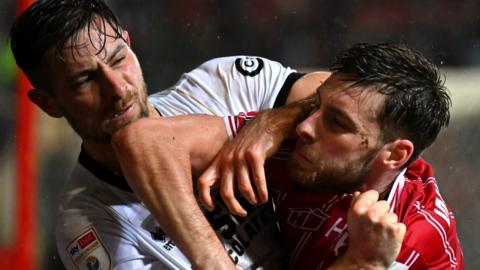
{"x":375,"y":234}
{"x":242,"y":159}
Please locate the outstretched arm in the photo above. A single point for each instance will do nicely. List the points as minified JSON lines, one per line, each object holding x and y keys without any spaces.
{"x":243,"y":158}
{"x":157,"y":157}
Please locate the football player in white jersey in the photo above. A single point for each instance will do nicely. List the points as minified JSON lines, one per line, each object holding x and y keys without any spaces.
{"x":79,"y":61}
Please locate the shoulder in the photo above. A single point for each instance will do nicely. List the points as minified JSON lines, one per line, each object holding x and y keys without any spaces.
{"x":431,"y":236}
{"x":249,"y":68}
{"x":242,"y":64}
{"x":88,"y":233}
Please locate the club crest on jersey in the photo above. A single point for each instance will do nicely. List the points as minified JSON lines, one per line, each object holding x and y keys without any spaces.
{"x":249,"y":66}
{"x":87,"y":252}
{"x":92,"y":263}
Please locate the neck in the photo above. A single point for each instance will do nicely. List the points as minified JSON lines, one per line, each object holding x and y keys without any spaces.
{"x":381,"y":182}
{"x":103,"y":153}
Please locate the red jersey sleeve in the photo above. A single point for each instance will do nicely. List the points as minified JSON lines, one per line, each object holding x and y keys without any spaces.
{"x":431,"y":240}
{"x":429,"y":244}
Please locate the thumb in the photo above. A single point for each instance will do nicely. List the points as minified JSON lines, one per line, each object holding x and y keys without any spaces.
{"x":362,"y":202}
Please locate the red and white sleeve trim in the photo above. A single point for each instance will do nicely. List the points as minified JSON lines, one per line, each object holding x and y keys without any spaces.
{"x":233,"y":123}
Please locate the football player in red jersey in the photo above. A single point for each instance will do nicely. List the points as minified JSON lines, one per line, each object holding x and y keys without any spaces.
{"x":381,"y":107}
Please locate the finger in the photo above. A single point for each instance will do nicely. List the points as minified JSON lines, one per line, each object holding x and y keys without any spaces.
{"x":378,"y":210}
{"x":399,"y":234}
{"x":205,"y":183}
{"x":244,"y":184}
{"x":390,"y":219}
{"x":364,"y":201}
{"x":258,"y":172}
{"x":401,"y":231}
{"x":228,"y":195}
{"x":355,"y":197}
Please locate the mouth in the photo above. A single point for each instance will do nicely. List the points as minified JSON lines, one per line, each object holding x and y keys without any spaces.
{"x":123,"y":111}
{"x":300,"y":156}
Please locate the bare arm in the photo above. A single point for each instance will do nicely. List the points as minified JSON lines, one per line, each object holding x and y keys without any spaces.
{"x":243,"y":158}
{"x":156,"y":156}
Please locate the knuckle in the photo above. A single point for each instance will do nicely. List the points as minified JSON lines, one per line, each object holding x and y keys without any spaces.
{"x":228,"y":157}
{"x":358,"y":209}
{"x":202,"y":181}
{"x":244,"y":187}
{"x":238,"y":157}
{"x":226,"y":195}
{"x":258,"y":179}
{"x":253,"y":153}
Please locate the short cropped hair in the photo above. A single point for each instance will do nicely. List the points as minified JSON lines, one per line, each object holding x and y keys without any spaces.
{"x":51,"y":23}
{"x":416,"y":104}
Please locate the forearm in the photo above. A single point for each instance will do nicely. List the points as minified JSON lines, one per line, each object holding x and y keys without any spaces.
{"x":174,"y":206}
{"x":283,"y":120}
{"x":155,"y":159}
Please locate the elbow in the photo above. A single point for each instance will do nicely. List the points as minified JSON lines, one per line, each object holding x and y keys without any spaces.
{"x":128,"y":137}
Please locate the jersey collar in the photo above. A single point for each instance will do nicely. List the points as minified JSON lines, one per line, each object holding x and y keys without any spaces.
{"x":101,"y":172}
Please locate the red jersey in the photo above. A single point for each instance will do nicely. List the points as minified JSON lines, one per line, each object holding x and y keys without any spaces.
{"x":314,"y":226}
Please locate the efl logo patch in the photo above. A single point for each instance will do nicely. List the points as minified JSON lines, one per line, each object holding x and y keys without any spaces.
{"x":87,"y":252}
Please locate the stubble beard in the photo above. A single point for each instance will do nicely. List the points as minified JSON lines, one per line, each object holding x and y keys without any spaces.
{"x":332,"y":176}
{"x":98,"y":133}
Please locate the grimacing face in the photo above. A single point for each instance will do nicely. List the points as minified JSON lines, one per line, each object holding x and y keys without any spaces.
{"x":98,"y":92}
{"x":339,"y":141}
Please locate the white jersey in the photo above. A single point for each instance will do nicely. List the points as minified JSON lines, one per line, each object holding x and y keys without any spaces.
{"x":101,"y":224}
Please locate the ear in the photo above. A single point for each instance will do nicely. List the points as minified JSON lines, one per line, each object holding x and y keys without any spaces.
{"x":126,"y":36}
{"x":397,"y":153}
{"x":46,"y":102}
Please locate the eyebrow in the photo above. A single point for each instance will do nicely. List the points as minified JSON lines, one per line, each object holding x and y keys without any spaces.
{"x":115,"y":52}
{"x":344,"y":116}
{"x":338,"y":111}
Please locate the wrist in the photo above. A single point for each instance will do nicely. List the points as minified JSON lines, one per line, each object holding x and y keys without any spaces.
{"x":214,"y":261}
{"x":357,"y":262}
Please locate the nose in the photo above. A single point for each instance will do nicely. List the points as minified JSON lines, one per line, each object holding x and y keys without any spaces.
{"x":306,"y":129}
{"x":113,"y":84}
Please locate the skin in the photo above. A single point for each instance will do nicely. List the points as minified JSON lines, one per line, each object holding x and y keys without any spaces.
{"x":375,"y":234}
{"x":101,"y":93}
{"x":98,"y":93}
{"x":370,"y":219}
{"x":341,"y":132}
{"x":330,"y":154}
{"x":145,"y":157}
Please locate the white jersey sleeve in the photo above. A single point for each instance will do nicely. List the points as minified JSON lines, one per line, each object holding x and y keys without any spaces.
{"x":225,"y":86}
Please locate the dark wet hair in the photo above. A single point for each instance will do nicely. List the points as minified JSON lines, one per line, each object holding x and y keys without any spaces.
{"x":416,"y":104}
{"x":51,"y":23}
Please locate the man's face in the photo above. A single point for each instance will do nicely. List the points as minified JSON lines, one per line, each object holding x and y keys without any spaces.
{"x":339,"y":141}
{"x":98,"y":92}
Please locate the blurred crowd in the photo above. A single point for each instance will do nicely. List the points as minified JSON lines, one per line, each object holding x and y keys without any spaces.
{"x":173,"y":36}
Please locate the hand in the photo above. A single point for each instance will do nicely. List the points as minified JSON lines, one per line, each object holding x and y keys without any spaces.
{"x":243,"y":159}
{"x":375,"y":234}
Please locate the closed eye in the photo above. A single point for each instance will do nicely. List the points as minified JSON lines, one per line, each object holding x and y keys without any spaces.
{"x":118,"y":61}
